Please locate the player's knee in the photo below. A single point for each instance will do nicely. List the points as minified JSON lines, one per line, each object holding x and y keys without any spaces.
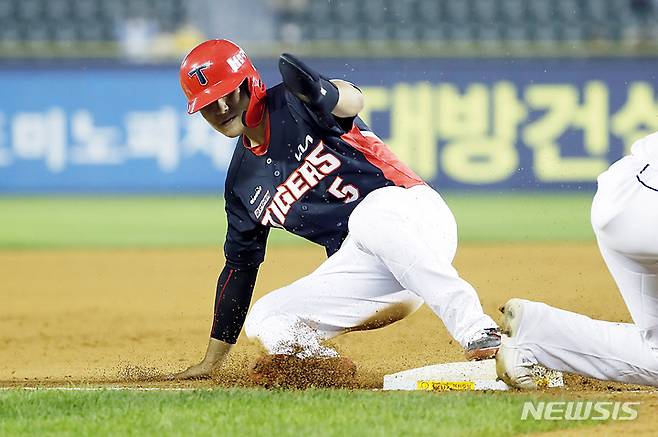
{"x":283,"y":333}
{"x":268,"y":327}
{"x":250,"y":328}
{"x":253,"y":324}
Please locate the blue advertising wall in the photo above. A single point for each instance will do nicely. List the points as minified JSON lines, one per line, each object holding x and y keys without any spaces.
{"x":460,"y":123}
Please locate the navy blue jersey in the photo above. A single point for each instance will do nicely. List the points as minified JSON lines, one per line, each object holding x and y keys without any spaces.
{"x":304,"y":179}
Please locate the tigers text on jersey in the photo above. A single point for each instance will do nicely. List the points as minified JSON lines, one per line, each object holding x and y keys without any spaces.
{"x":304,"y":180}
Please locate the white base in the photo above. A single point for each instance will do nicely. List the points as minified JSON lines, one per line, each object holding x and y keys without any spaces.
{"x":467,"y":375}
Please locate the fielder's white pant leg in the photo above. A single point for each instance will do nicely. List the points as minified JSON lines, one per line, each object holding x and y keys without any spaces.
{"x":625,"y":219}
{"x":350,"y":291}
{"x":414,"y":234}
{"x":572,"y":342}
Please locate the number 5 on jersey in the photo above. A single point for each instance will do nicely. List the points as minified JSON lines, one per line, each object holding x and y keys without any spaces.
{"x":348,"y":192}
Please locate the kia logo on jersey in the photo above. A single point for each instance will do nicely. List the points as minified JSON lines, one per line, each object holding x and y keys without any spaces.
{"x":198,"y":72}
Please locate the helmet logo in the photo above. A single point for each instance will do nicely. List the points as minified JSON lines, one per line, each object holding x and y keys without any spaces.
{"x":198,"y":72}
{"x":236,"y":61}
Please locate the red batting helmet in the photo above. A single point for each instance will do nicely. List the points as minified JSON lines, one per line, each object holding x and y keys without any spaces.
{"x":212,"y":70}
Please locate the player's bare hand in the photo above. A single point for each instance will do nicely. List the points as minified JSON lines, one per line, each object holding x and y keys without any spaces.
{"x":215,"y":354}
{"x":196,"y":372}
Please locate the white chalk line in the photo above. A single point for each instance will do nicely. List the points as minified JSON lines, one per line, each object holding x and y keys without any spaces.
{"x":190,"y":389}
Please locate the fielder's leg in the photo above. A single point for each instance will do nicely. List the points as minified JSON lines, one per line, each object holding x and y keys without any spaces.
{"x":625,"y":218}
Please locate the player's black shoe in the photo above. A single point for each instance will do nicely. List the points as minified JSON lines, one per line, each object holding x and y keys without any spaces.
{"x":484,"y":345}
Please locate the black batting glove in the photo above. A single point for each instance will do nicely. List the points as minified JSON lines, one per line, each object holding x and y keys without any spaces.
{"x":319,"y":94}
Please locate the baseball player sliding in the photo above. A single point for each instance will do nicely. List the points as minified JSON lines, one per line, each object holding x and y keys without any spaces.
{"x":625,"y":221}
{"x":306,"y":163}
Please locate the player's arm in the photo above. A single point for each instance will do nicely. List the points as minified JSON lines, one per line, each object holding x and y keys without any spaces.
{"x":244,"y":250}
{"x":235,"y":287}
{"x":326,"y":98}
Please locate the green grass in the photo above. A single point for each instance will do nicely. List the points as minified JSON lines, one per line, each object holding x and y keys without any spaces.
{"x":63,"y":222}
{"x":247,"y":412}
{"x":522,"y":217}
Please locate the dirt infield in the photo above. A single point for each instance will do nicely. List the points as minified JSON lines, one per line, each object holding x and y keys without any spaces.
{"x":124,"y":316}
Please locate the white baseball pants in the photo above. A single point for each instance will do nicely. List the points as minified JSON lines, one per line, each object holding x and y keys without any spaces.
{"x":398,"y":254}
{"x":625,"y":220}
